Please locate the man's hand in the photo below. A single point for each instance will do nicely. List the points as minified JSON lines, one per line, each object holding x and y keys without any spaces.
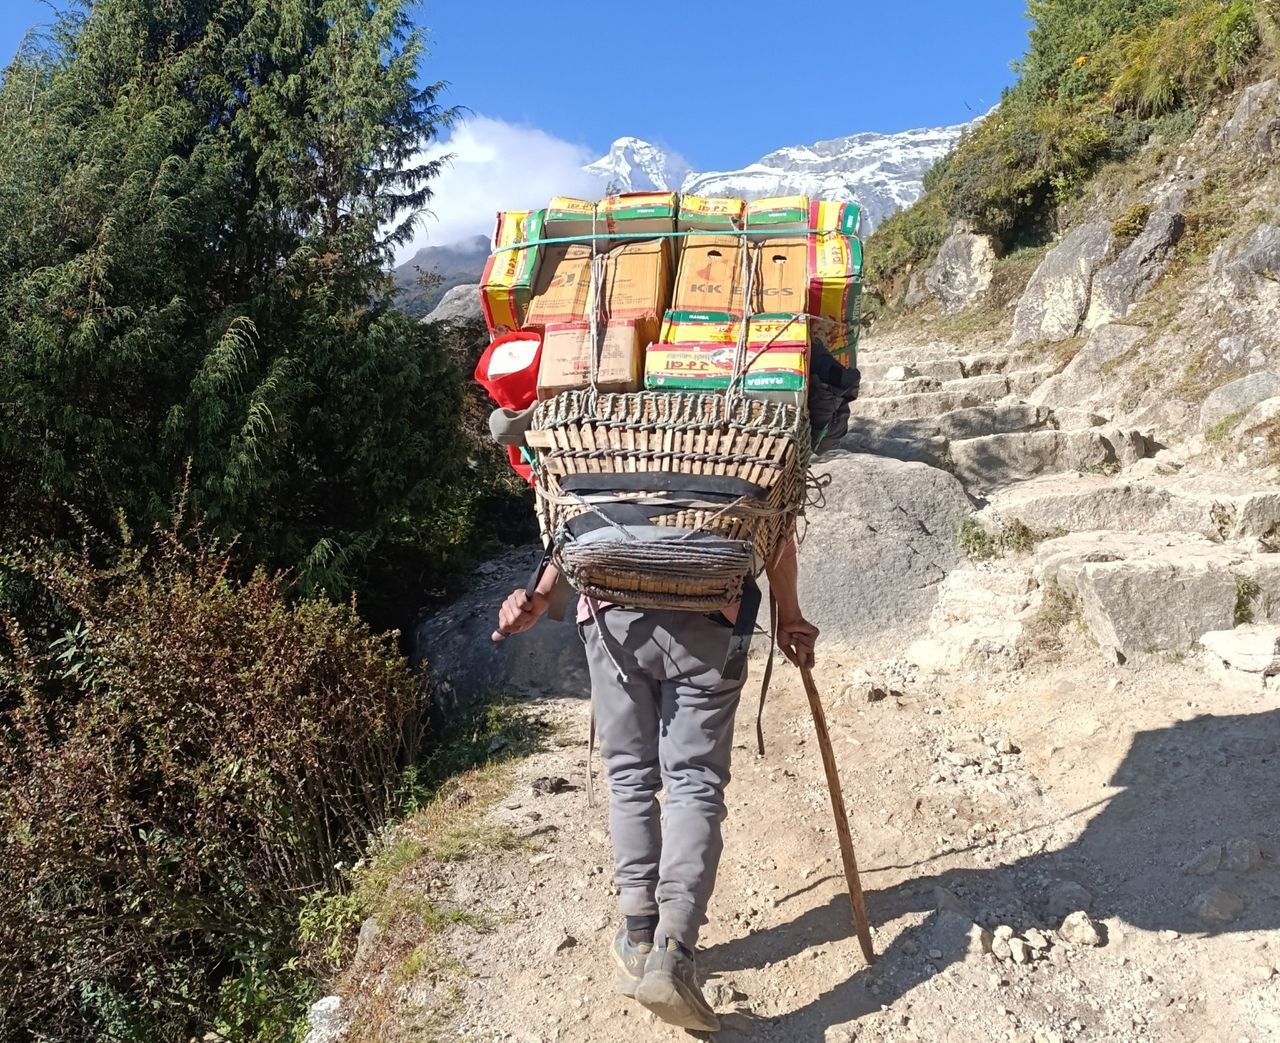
{"x":797,"y":638}
{"x":519,"y":612}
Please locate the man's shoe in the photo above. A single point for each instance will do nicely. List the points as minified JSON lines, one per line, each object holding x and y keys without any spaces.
{"x":669,"y":988}
{"x":630,"y":958}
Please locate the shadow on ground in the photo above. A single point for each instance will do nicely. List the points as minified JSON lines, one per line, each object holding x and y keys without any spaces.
{"x":1209,"y":778}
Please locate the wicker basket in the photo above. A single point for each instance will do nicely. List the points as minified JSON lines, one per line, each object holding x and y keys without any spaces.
{"x":715,"y":482}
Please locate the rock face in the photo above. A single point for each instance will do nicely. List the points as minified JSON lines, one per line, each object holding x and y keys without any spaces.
{"x":963,"y":270}
{"x":1254,"y":100}
{"x":1057,"y":297}
{"x":465,"y":664}
{"x":1238,"y":397}
{"x":461,"y":304}
{"x":876,"y":552}
{"x":1124,"y":282}
{"x":1086,"y":377}
{"x":1259,"y":255}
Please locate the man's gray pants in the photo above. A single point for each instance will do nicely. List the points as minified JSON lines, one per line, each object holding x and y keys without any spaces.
{"x":664,"y":716}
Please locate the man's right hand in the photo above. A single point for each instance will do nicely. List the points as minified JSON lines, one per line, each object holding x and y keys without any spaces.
{"x":519,"y":612}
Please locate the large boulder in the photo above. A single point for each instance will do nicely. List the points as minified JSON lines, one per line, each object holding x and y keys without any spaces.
{"x":1121,"y":284}
{"x":963,"y":270}
{"x":1057,"y":297}
{"x":1088,"y":376}
{"x":1139,"y":597}
{"x":459,"y":305}
{"x":464,"y":664}
{"x":877,"y":549}
{"x":1238,"y":397}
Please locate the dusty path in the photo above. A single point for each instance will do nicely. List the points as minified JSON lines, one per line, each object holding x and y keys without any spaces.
{"x":1093,"y":791}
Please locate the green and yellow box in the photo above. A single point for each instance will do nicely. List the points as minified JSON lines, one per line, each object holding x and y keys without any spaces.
{"x":511,"y":271}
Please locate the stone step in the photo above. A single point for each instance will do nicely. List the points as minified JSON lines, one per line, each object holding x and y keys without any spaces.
{"x":954,"y":395}
{"x":928,"y":439}
{"x":1142,"y":593}
{"x":907,"y":386}
{"x":938,"y":369}
{"x":976,"y":621}
{"x":991,"y":462}
{"x":1023,"y":382}
{"x":1218,"y":507}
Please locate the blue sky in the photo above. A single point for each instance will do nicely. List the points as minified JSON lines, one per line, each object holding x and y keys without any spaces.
{"x":721,"y":83}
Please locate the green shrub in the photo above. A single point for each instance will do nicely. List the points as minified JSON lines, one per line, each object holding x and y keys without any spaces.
{"x":1182,"y":59}
{"x":1246,"y":591}
{"x":1100,"y":77}
{"x":1130,"y":225}
{"x":975,"y":541}
{"x":179,"y":770}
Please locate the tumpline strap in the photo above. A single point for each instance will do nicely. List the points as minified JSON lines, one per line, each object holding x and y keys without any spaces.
{"x":768,"y":671}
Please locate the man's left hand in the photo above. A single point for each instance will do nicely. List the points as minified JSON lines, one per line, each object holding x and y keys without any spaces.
{"x":797,"y":638}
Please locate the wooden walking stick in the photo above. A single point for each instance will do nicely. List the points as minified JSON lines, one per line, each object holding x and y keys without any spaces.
{"x":842,"y":819}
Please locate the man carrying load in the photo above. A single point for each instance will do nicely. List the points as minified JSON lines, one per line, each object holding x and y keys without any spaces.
{"x":664,"y":704}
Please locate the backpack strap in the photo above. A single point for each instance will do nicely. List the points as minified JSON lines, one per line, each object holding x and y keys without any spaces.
{"x":768,"y":671}
{"x":735,"y":662}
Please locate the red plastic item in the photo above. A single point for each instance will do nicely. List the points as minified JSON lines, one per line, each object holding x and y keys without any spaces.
{"x":508,"y":369}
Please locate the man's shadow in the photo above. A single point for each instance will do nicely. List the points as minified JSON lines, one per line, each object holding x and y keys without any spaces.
{"x":1199,"y":783}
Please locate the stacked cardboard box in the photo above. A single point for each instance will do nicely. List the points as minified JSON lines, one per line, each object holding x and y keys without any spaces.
{"x":563,"y":285}
{"x":566,"y":358}
{"x":671,"y":307}
{"x":698,"y":349}
{"x":509,"y":274}
{"x":699,"y":214}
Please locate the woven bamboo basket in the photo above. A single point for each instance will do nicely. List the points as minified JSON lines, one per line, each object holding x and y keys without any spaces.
{"x":740,"y":464}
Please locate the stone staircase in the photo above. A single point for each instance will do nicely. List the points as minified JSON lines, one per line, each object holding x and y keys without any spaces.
{"x":1084,"y":519}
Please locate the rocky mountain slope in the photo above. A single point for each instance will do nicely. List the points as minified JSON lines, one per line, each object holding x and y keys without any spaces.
{"x":883,"y":172}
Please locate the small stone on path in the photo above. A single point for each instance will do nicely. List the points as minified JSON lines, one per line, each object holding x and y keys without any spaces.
{"x":549,"y":784}
{"x":1243,"y":856}
{"x":1205,"y":863}
{"x":1217,"y":905}
{"x":1079,"y":929}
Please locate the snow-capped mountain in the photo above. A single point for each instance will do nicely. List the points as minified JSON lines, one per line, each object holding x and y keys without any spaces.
{"x":882,"y":172}
{"x":633,"y":165}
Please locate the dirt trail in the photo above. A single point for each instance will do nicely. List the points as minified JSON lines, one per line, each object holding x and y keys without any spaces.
{"x":1068,"y":786}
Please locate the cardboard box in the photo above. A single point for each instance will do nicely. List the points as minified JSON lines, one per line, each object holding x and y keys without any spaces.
{"x":701,"y":214}
{"x":510,"y":274}
{"x":710,"y":276}
{"x":697,"y":353}
{"x":700,"y":327}
{"x":835,"y":276}
{"x":637,"y":285}
{"x":638,"y":214}
{"x":567,"y":217}
{"x":778,"y":214}
{"x":781,"y":282}
{"x":778,"y":355}
{"x":566,"y":359}
{"x":562,"y":287}
{"x":826,"y":216}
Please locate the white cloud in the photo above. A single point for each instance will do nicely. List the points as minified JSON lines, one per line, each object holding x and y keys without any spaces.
{"x":497,"y":166}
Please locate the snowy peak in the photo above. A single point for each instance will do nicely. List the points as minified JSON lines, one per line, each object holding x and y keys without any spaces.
{"x":882,"y":172}
{"x":633,"y":165}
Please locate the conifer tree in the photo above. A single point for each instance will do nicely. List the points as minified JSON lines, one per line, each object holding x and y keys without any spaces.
{"x":199,"y":200}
